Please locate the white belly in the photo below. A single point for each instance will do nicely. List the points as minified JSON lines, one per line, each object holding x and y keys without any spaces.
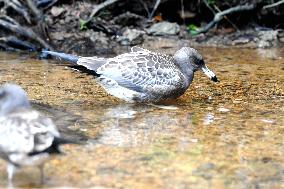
{"x":112,"y":87}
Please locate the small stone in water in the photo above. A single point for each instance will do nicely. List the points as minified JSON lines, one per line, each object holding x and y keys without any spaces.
{"x":223,"y":110}
{"x":267,"y":121}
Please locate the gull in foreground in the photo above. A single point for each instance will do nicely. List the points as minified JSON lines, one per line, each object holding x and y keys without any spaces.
{"x":142,"y":75}
{"x":27,"y":138}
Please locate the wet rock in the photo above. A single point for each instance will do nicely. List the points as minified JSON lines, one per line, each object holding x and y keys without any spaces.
{"x":56,"y":11}
{"x":94,"y":43}
{"x":280,"y":36}
{"x":223,"y":110}
{"x":57,"y":36}
{"x":266,"y":38}
{"x":164,"y":28}
{"x":241,"y":40}
{"x":131,"y":37}
{"x":98,"y":38}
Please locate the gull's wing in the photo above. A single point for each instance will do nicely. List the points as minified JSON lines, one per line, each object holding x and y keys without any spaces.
{"x":91,"y":63}
{"x":24,"y":132}
{"x":143,"y":71}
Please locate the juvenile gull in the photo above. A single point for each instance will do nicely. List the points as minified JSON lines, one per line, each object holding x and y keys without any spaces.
{"x":27,"y":137}
{"x":142,"y":75}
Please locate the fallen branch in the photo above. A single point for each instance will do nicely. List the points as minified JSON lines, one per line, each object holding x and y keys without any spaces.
{"x":145,"y":7}
{"x":273,"y":5}
{"x":234,"y":25}
{"x":219,"y":16}
{"x":37,"y":13}
{"x":99,"y":7}
{"x":5,"y":47}
{"x":10,"y":24}
{"x":15,"y":43}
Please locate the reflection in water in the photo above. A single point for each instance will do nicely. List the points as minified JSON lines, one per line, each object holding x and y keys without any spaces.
{"x":208,"y":118}
{"x":135,"y":125}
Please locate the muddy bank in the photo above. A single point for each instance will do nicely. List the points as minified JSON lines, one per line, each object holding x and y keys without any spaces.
{"x":129,"y":29}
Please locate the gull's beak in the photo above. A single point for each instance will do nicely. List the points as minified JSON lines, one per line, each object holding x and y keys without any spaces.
{"x":209,"y":73}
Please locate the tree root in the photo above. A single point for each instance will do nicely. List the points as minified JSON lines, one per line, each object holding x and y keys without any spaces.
{"x":220,"y":15}
{"x":18,"y":7}
{"x":16,"y":43}
{"x":37,"y":13}
{"x":10,"y":24}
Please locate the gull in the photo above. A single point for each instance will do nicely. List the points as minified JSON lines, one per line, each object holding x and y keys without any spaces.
{"x":142,"y":75}
{"x":27,"y":138}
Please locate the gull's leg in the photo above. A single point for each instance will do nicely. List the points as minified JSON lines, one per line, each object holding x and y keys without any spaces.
{"x":10,"y":172}
{"x":41,"y":169}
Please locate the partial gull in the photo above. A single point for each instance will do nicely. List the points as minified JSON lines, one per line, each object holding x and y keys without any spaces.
{"x":27,"y":138}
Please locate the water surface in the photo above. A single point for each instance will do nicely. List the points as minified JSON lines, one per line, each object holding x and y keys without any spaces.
{"x":223,"y":135}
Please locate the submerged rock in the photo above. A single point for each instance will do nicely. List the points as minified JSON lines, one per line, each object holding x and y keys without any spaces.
{"x":164,"y":28}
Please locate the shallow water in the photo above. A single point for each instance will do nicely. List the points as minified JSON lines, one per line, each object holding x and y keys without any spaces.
{"x":223,"y":135}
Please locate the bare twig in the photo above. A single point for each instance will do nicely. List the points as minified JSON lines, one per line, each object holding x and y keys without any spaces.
{"x":99,"y":7}
{"x":154,"y":9}
{"x":15,"y":27}
{"x":219,"y":16}
{"x":34,"y":9}
{"x":145,"y":7}
{"x":234,"y":25}
{"x":51,"y":4}
{"x":209,"y":7}
{"x":182,"y":11}
{"x":273,"y":5}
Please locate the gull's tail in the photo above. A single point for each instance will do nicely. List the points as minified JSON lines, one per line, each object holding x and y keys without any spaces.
{"x":67,"y":57}
{"x":54,"y":148}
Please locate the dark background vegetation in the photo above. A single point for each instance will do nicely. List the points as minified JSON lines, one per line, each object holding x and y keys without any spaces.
{"x":21,"y":25}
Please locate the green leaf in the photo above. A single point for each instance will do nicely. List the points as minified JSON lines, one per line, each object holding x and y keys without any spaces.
{"x":83,"y":25}
{"x":211,"y":2}
{"x":192,"y":29}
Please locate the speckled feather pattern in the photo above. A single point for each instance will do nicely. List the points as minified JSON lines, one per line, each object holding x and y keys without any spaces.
{"x":25,"y":131}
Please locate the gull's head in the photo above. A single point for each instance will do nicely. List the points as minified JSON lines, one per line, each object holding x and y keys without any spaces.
{"x":11,"y":97}
{"x":189,"y":59}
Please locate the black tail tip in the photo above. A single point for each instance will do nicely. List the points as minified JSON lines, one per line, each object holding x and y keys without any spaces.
{"x":214,"y":79}
{"x":60,"y":141}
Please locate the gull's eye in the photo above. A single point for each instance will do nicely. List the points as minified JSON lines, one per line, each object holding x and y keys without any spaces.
{"x":2,"y":94}
{"x":201,"y":62}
